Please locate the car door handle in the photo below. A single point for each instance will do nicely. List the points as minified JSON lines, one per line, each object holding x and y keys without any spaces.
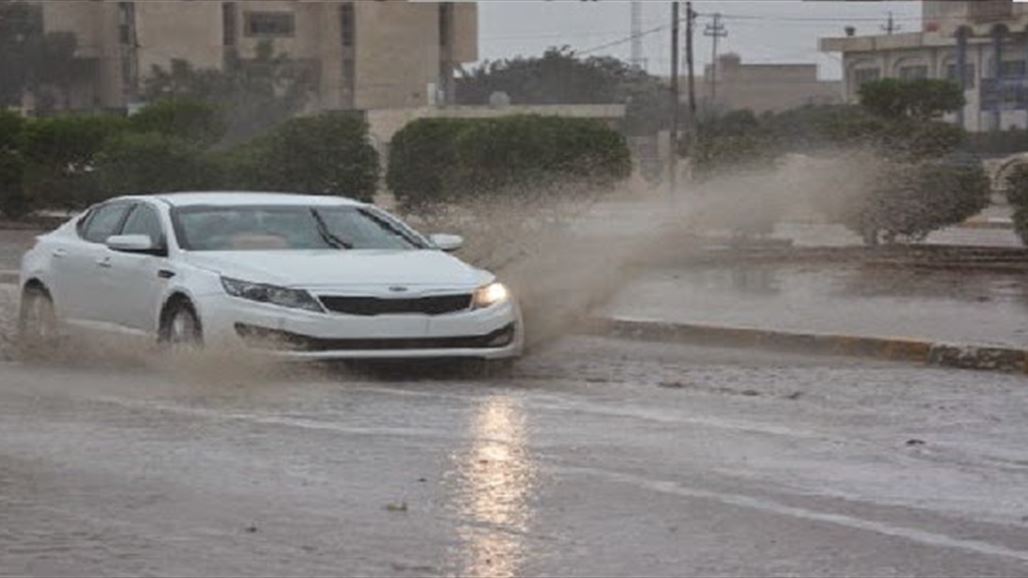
{"x":104,"y":262}
{"x":58,"y":253}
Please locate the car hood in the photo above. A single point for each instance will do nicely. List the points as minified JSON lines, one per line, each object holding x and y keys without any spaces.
{"x":334,"y":268}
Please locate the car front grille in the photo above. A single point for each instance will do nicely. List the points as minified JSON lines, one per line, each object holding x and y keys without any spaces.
{"x":277,"y":339}
{"x":368,"y":306}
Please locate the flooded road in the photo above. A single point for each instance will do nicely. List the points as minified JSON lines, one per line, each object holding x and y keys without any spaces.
{"x":595,"y":457}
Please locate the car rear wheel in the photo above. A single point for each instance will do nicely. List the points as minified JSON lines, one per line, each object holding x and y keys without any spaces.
{"x":181,"y":327}
{"x":37,"y":322}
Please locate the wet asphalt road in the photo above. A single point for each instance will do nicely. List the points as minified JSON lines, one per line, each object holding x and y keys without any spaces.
{"x":596,"y":457}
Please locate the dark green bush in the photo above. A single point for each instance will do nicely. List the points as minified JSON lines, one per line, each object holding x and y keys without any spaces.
{"x":1017,"y":194}
{"x":446,"y":160}
{"x":60,"y":157}
{"x":1021,"y":222}
{"x":912,"y":200}
{"x":327,"y":154}
{"x":195,"y":121}
{"x":423,"y":157}
{"x":14,"y":203}
{"x":144,"y":163}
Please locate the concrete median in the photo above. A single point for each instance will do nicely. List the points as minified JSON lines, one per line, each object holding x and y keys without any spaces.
{"x":985,"y":358}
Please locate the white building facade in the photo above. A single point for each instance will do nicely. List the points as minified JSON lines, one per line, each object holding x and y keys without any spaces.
{"x":987,"y":39}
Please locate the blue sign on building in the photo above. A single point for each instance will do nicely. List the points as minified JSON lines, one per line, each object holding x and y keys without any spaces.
{"x":1008,"y":93}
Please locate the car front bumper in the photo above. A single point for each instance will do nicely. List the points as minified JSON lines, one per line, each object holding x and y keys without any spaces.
{"x":492,"y":333}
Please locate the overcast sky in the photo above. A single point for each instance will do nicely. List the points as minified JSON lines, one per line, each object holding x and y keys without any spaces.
{"x":760,"y":31}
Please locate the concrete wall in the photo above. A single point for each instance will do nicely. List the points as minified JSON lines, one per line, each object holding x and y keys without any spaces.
{"x":767,"y":87}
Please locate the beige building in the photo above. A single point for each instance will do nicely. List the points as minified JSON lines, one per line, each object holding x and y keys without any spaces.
{"x":365,"y":55}
{"x":765,"y":87}
{"x":987,"y":39}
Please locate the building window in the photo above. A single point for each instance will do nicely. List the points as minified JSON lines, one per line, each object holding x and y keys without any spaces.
{"x":916,"y":72}
{"x":126,"y":20}
{"x":228,"y":23}
{"x":347,"y":24}
{"x":270,"y":24}
{"x":865,"y":75}
{"x":969,"y":76}
{"x":1012,"y":68}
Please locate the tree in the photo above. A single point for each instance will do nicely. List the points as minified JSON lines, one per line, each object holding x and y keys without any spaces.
{"x":31,"y":60}
{"x":560,"y":76}
{"x":919,"y":100}
{"x":255,"y":93}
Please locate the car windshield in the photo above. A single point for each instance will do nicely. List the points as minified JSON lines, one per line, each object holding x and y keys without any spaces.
{"x":256,"y":228}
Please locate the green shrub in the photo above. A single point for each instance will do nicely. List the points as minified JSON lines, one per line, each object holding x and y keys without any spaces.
{"x":447,"y":160}
{"x":14,"y":203}
{"x":1021,"y":222}
{"x":912,"y":200}
{"x":1017,"y":194}
{"x":145,"y":163}
{"x":195,"y":121}
{"x":60,"y":155}
{"x":11,"y":125}
{"x":423,"y":159}
{"x":1017,"y":186}
{"x":327,"y":154}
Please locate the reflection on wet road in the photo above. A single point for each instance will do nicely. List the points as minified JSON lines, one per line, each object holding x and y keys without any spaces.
{"x":497,"y":478}
{"x":599,"y":457}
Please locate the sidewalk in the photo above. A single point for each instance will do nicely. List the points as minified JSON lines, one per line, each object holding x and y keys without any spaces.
{"x":987,"y":309}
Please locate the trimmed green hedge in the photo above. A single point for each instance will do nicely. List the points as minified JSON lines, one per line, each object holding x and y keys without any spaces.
{"x":72,"y":161}
{"x":1017,"y":194}
{"x":327,"y":154}
{"x":912,"y":200}
{"x":437,"y":161}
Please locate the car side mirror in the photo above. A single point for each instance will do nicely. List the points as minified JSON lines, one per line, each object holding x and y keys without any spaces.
{"x":133,"y":244}
{"x":448,"y":243}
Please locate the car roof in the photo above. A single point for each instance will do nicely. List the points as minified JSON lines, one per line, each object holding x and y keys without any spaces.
{"x":238,"y":198}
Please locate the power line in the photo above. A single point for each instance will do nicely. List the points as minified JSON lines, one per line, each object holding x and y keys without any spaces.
{"x":715,"y":31}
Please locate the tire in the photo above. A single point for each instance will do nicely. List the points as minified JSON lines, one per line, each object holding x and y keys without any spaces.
{"x":180,"y":327}
{"x":37,"y":321}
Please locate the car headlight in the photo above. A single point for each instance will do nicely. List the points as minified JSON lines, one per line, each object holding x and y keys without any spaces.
{"x":262,"y":293}
{"x":489,"y":295}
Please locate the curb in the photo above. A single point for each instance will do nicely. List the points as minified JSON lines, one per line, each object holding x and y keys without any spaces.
{"x":985,"y":358}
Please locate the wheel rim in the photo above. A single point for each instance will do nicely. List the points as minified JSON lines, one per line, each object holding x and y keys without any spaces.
{"x":182,"y":329}
{"x":38,"y":322}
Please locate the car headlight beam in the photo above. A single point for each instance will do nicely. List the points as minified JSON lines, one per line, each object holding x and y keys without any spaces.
{"x":272,"y":294}
{"x":489,"y":295}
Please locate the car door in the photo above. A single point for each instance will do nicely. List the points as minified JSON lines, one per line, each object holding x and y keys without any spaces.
{"x":80,"y":265}
{"x":137,"y":280}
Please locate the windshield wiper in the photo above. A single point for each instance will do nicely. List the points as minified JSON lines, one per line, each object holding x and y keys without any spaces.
{"x":329,"y":237}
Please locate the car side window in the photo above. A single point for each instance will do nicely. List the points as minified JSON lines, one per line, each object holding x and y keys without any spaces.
{"x":144,"y":220}
{"x":104,"y":222}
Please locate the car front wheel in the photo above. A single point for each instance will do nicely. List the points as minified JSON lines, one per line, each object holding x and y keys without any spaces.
{"x":181,"y":327}
{"x":37,"y":322}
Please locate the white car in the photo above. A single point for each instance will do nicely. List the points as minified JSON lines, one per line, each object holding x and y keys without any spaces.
{"x":301,"y":276}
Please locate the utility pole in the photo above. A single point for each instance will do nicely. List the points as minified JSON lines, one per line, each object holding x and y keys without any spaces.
{"x":716,"y":31}
{"x":891,"y":25}
{"x":673,"y":157}
{"x":637,"y":60}
{"x":690,"y":22}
